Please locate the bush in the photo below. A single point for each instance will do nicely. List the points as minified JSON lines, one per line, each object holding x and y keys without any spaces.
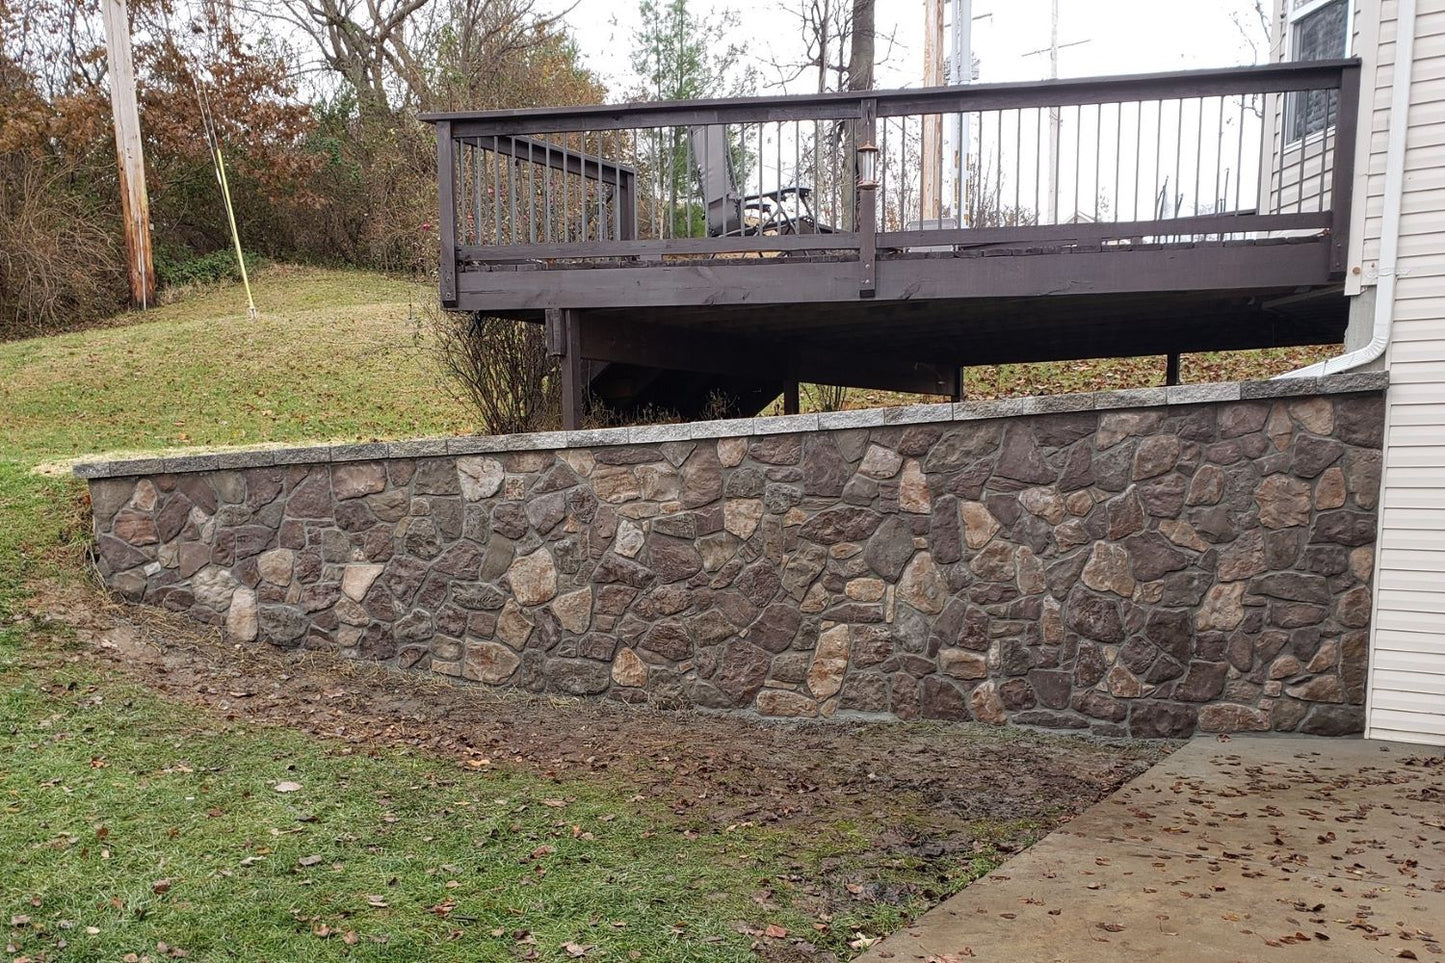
{"x":501,"y":368}
{"x":178,"y":267}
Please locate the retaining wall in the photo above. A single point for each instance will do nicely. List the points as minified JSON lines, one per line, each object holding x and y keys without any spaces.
{"x":1144,"y":563}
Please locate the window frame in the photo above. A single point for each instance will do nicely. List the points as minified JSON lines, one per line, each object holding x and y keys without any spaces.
{"x":1293,"y":13}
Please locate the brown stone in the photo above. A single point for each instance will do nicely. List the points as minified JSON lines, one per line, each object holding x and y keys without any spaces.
{"x":513,"y":626}
{"x":356,"y":479}
{"x":241,"y":616}
{"x":533,"y":578}
{"x":574,"y":610}
{"x":1122,"y":684}
{"x":1283,"y":501}
{"x":962,"y":664}
{"x":913,"y":494}
{"x":1115,"y":426}
{"x":489,"y":662}
{"x":1279,"y":427}
{"x":1108,"y":570}
{"x":1322,"y":688}
{"x":1362,"y":563}
{"x":731,"y":451}
{"x":1183,"y":534}
{"x":1046,"y":503}
{"x":785,"y":704}
{"x":1206,"y":487}
{"x":922,"y":586}
{"x":1315,"y":415}
{"x":742,"y":669}
{"x":987,"y":704}
{"x":865,"y":589}
{"x":1093,"y":617}
{"x":1353,"y":608}
{"x":1126,"y":514}
{"x":1202,"y":682}
{"x":880,"y":462}
{"x":830,"y":662}
{"x":629,"y":670}
{"x":356,"y":580}
{"x":275,"y":566}
{"x":979,"y":525}
{"x":135,"y":528}
{"x":842,"y":524}
{"x":1222,"y":608}
{"x":1330,"y":489}
{"x":1155,"y":456}
{"x":1227,"y":717}
{"x":741,"y":516}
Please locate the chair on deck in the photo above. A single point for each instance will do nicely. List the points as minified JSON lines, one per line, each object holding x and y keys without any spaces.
{"x":731,"y":213}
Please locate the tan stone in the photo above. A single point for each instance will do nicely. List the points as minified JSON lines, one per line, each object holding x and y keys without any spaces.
{"x":1071,"y":534}
{"x":830,"y":661}
{"x":580,"y":460}
{"x":275,"y":565}
{"x":574,"y":610}
{"x":864,"y":589}
{"x":987,"y":705}
{"x":1115,"y":426}
{"x":786,"y":704}
{"x":962,"y":664}
{"x":741,"y":516}
{"x":356,"y":580}
{"x":533,"y":578}
{"x":489,"y":662}
{"x":1330,"y":489}
{"x":1316,"y":415}
{"x":1353,"y":609}
{"x":513,"y":626}
{"x":732,"y":451}
{"x":659,"y":483}
{"x":1079,"y":502}
{"x":629,"y":539}
{"x":815,"y":601}
{"x":213,"y":586}
{"x":241,"y":624}
{"x":1279,"y":427}
{"x":616,"y":484}
{"x":1107,"y":570}
{"x":1362,"y":563}
{"x":1325,"y":658}
{"x":979,"y":525}
{"x":1181,"y":533}
{"x":1149,"y":593}
{"x":1046,"y":503}
{"x":1284,"y":667}
{"x":629,"y":670}
{"x":145,"y":496}
{"x":479,"y":477}
{"x":913,"y":495}
{"x":921,"y":585}
{"x":794,"y":518}
{"x":1206,"y":487}
{"x":1122,"y":683}
{"x":1229,"y":717}
{"x":880,"y":462}
{"x":1222,"y":607}
{"x":1322,"y":688}
{"x":1284,"y":501}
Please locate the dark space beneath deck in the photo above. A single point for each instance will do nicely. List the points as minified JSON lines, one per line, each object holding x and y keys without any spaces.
{"x":671,"y":334}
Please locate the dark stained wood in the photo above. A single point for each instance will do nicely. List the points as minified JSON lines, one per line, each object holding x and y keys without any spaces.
{"x":447,"y":213}
{"x":1342,"y":185}
{"x":564,"y":341}
{"x":1171,"y":368}
{"x":1268,"y":78}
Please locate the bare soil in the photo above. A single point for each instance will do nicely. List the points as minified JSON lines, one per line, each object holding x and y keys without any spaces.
{"x":924,"y":794}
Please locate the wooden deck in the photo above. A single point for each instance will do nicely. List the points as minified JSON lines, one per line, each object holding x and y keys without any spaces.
{"x":570,"y":218}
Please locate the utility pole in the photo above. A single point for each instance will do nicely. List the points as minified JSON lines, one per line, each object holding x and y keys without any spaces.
{"x":932,"y":159}
{"x":129,"y":158}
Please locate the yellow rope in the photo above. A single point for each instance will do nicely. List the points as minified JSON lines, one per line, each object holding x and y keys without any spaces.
{"x":235,"y":235}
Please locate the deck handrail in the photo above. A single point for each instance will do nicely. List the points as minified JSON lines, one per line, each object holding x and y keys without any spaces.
{"x":595,"y":224}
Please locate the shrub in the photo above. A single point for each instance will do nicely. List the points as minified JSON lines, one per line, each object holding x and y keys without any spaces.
{"x":501,"y":368}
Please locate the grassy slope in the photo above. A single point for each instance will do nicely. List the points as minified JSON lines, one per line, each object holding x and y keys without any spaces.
{"x":105,"y":789}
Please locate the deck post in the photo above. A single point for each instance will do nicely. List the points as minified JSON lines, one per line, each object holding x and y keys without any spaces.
{"x":447,"y":213}
{"x":792,"y":402}
{"x":564,"y":342}
{"x":957,"y":394}
{"x":1171,"y":368}
{"x":1342,"y":180}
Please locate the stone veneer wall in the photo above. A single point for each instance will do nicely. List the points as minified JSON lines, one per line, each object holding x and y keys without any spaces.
{"x":1146,"y":563}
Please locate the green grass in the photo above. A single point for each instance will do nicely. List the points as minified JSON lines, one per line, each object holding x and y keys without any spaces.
{"x":106,"y":788}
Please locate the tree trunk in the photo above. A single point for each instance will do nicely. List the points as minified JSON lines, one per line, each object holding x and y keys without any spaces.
{"x":860,"y":77}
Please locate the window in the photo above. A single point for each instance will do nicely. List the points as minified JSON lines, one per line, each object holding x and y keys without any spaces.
{"x":1318,"y":30}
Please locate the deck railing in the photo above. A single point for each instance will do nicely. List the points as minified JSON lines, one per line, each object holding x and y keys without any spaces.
{"x":1195,"y":156}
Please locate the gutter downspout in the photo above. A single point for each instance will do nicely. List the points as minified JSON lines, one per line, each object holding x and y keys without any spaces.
{"x":1385,"y":266}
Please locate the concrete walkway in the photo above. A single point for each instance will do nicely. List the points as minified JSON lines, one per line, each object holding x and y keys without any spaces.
{"x":1247,"y":849}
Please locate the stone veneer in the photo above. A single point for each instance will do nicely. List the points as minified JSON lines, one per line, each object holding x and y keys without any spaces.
{"x":1145,"y":563}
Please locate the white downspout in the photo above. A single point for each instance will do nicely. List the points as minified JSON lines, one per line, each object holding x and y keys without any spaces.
{"x":1385,"y":268}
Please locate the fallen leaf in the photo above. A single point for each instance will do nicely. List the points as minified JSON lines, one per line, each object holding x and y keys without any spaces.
{"x":308,"y":861}
{"x":576,"y":950}
{"x":775,"y":932}
{"x":161,"y":886}
{"x":287,"y":786}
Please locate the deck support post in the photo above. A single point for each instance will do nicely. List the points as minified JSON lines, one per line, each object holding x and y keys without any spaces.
{"x":866,"y":219}
{"x":1171,"y":368}
{"x":957,"y":394}
{"x":792,"y":402}
{"x":564,"y":342}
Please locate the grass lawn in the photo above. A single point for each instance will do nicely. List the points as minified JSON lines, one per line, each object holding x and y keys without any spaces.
{"x":138,"y":823}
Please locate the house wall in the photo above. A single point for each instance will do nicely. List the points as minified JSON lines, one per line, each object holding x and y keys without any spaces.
{"x":1407,"y":693}
{"x":1143,"y":563}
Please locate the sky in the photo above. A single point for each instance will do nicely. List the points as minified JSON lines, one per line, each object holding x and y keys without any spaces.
{"x":1102,"y":36}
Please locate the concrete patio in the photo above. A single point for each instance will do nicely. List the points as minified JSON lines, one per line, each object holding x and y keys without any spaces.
{"x":1232,"y":849}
